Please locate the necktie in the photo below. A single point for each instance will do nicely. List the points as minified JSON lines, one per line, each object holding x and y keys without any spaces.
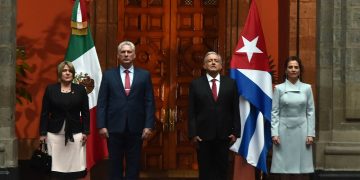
{"x":127,"y":82}
{"x":214,"y":89}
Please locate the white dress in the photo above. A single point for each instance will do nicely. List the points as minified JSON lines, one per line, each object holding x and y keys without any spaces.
{"x":293,"y":120}
{"x":67,"y":160}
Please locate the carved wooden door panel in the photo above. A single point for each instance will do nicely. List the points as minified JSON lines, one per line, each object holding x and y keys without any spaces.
{"x":171,"y":38}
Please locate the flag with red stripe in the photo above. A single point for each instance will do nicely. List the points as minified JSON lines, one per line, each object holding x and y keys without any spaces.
{"x":82,"y":53}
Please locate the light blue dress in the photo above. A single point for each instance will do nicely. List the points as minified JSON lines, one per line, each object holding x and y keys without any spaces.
{"x":292,"y":119}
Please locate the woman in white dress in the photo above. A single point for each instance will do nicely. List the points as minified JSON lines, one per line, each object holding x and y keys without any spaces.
{"x":293,"y":124}
{"x":64,"y":124}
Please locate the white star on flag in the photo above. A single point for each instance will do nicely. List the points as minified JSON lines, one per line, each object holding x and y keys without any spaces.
{"x":249,"y":47}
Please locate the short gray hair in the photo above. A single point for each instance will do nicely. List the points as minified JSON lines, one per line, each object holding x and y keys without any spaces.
{"x":132,"y":46}
{"x":210,"y":53}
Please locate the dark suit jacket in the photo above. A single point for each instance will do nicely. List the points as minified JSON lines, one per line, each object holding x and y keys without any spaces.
{"x":115,"y":109}
{"x":210,"y":119}
{"x":55,"y":110}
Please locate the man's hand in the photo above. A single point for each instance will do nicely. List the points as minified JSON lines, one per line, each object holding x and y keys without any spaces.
{"x":232,"y":138}
{"x":146,"y":133}
{"x":196,"y":139}
{"x":104,"y":133}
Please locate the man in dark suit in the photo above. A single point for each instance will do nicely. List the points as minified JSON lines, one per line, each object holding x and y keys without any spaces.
{"x":214,"y":120}
{"x":125,"y":112}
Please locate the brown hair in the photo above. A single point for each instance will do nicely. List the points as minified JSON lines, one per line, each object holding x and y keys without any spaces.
{"x":298,"y":60}
{"x":61,"y":66}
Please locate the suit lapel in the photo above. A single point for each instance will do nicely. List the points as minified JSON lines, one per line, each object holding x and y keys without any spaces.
{"x":221,"y":88}
{"x":135,"y":79}
{"x":207,"y":88}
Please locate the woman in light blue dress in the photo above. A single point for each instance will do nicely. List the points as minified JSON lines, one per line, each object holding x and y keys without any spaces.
{"x":292,"y":123}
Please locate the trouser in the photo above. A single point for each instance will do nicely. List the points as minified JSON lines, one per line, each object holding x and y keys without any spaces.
{"x":124,"y":145}
{"x":213,"y":159}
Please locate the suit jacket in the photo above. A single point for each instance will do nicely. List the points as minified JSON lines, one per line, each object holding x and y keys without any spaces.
{"x":210,"y":119}
{"x":116,"y":110}
{"x":56,"y":109}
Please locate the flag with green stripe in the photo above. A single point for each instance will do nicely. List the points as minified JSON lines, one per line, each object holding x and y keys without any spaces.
{"x":82,"y":53}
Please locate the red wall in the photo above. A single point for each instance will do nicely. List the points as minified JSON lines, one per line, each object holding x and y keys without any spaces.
{"x":268,"y":12}
{"x":43,"y":28}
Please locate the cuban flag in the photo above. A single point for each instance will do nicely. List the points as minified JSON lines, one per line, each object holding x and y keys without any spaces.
{"x":250,"y":68}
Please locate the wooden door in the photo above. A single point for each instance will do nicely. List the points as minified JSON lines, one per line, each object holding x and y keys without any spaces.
{"x":171,"y":38}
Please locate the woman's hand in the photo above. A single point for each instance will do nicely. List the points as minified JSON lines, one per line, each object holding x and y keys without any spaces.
{"x":42,"y":139}
{"x":309,"y":140}
{"x":84,"y":139}
{"x":276,"y":140}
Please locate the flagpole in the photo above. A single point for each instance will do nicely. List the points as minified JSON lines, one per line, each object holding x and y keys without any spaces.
{"x":298,"y":28}
{"x":243,"y":170}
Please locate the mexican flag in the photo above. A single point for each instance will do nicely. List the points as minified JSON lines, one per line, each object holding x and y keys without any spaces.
{"x":82,"y":53}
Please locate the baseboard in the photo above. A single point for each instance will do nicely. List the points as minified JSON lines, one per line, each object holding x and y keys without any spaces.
{"x":101,"y":170}
{"x":337,"y":175}
{"x":9,"y":173}
{"x":169,"y":174}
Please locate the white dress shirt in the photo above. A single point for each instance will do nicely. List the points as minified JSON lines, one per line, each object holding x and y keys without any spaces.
{"x":122,"y":74}
{"x":217,"y":82}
